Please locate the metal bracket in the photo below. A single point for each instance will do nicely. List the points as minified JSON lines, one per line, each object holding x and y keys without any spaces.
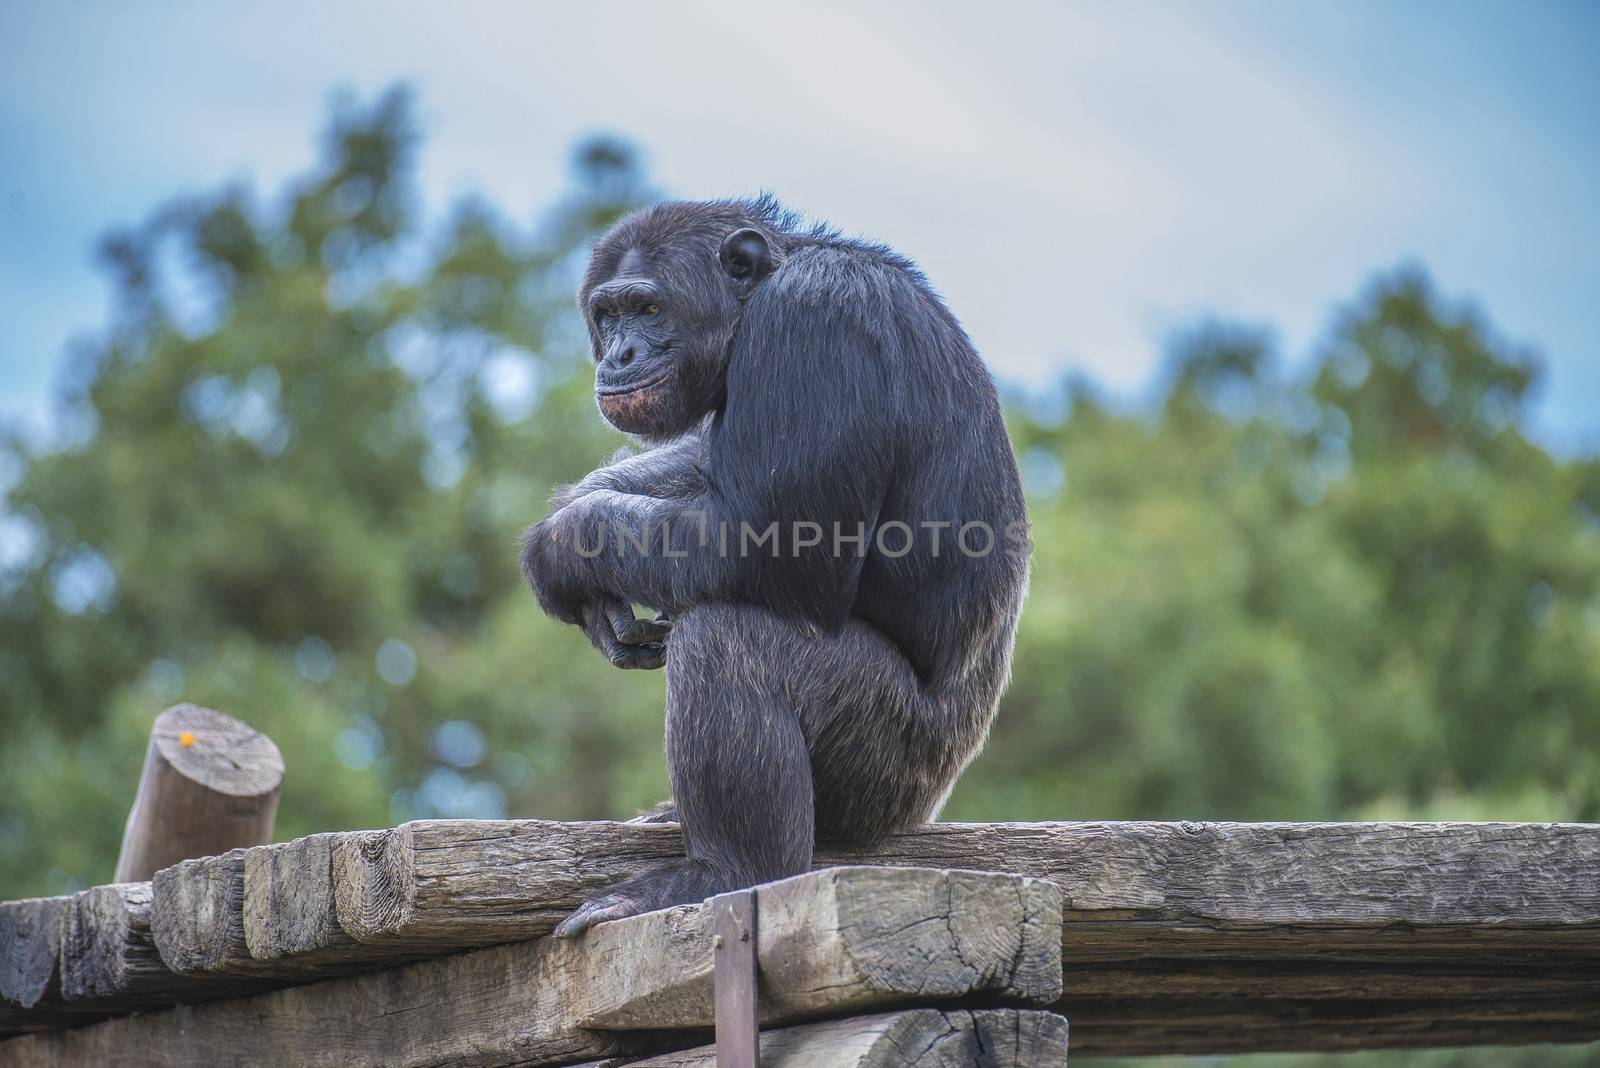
{"x":733,"y":974}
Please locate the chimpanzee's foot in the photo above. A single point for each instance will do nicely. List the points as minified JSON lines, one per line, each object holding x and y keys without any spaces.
{"x":678,"y":882}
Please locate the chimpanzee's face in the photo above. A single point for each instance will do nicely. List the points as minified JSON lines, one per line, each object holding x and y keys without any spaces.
{"x":659,"y":341}
{"x":660,"y":326}
{"x":638,"y":351}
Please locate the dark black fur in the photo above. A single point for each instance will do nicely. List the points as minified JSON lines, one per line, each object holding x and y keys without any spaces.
{"x":788,"y":375}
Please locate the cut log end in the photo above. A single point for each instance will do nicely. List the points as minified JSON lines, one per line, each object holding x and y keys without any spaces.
{"x":198,"y":915}
{"x":105,"y":941}
{"x":218,"y":752}
{"x":30,"y":944}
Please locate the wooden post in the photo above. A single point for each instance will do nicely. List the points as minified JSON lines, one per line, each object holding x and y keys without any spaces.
{"x":733,"y":933}
{"x":210,"y":784}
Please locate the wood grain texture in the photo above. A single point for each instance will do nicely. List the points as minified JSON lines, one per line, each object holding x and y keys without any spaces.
{"x":1188,"y":937}
{"x":1158,"y":1026}
{"x":454,"y":883}
{"x":107,"y":951}
{"x":210,"y":784}
{"x":30,"y":948}
{"x":109,"y":960}
{"x":844,"y":937}
{"x":289,"y":913}
{"x":830,"y":943}
{"x":30,"y":976}
{"x":197,"y":917}
{"x":915,"y":1038}
{"x":1264,"y":916}
{"x":1325,"y":890}
{"x":47,"y":1015}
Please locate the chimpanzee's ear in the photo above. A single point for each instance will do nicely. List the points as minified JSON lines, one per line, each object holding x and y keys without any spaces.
{"x":747,"y":259}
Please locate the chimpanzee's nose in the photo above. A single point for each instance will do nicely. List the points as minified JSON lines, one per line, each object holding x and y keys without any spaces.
{"x":623,"y":352}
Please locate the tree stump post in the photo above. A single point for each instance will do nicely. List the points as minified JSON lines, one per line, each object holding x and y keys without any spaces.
{"x":210,"y":784}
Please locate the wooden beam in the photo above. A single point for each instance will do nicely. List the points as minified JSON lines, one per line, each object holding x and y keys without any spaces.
{"x":109,"y":960}
{"x":210,"y":783}
{"x":838,"y":942}
{"x":1532,"y":976}
{"x":915,"y":1038}
{"x":30,"y":975}
{"x":30,"y":946}
{"x":47,"y":1015}
{"x":1449,"y":915}
{"x":1310,"y":929}
{"x":1285,"y":890}
{"x":408,"y":886}
{"x":1198,"y":1026}
{"x":1278,"y":892}
{"x":289,"y":914}
{"x":197,"y":915}
{"x":197,"y":918}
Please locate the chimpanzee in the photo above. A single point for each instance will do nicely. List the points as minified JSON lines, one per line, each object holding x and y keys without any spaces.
{"x":828,"y":517}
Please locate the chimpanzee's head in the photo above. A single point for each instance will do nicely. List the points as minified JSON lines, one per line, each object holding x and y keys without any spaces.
{"x":661,"y":297}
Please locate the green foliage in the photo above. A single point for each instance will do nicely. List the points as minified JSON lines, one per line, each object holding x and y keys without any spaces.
{"x":314,"y":429}
{"x":1367,"y":596}
{"x":298,"y":459}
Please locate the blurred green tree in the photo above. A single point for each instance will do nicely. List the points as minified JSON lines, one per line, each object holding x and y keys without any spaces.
{"x":297,"y":464}
{"x":1363,"y":592}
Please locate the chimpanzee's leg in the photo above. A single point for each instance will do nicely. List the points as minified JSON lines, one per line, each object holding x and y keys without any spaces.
{"x":737,"y":762}
{"x":758,"y":709}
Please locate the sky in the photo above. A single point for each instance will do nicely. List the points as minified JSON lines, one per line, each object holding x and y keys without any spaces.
{"x":1079,"y":180}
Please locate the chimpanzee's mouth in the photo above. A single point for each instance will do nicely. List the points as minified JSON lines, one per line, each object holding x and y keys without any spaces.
{"x":635,"y":387}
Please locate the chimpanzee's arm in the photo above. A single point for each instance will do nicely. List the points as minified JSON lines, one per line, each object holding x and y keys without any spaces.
{"x":669,"y":470}
{"x":805,"y":447}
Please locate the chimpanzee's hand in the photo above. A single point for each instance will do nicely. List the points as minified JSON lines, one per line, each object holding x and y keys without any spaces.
{"x":629,"y":643}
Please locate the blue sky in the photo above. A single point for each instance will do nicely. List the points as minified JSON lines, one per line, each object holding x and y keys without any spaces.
{"x":1079,"y":180}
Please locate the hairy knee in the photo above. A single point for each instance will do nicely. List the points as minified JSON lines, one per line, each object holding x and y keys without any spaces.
{"x":720,"y":631}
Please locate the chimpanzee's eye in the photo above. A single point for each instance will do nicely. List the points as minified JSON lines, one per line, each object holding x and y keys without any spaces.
{"x":652,"y":309}
{"x":612,"y":313}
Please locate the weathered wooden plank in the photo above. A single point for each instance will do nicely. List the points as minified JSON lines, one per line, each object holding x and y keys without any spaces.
{"x":289,"y":913}
{"x":916,"y":1038}
{"x":1440,"y":917}
{"x":109,"y":960}
{"x":1285,"y":892}
{"x":1529,"y":977}
{"x":1159,"y":1026}
{"x":45,"y":1016}
{"x":210,"y":783}
{"x":197,"y":917}
{"x":859,"y":934}
{"x":835,"y":942}
{"x":1457,"y":885}
{"x":30,"y":947}
{"x":30,"y":976}
{"x":455,"y":883}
